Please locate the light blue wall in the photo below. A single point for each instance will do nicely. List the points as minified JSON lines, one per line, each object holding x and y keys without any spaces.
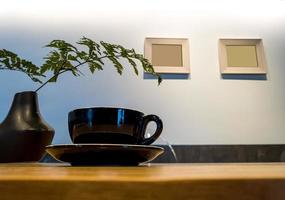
{"x":204,"y":109}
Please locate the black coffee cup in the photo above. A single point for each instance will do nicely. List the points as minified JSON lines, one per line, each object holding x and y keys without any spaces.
{"x":111,"y":126}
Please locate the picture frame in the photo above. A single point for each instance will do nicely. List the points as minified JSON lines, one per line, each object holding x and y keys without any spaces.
{"x":242,"y":56}
{"x":168,"y":55}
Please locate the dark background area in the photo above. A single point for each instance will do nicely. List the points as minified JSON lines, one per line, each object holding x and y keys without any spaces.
{"x":216,"y":154}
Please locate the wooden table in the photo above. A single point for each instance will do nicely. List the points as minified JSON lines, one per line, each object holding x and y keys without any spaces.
{"x":169,"y":181}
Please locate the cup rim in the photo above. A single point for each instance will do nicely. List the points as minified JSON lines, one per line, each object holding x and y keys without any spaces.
{"x":106,"y":108}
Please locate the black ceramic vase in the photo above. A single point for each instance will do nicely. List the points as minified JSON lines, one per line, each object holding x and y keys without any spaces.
{"x":24,"y":134}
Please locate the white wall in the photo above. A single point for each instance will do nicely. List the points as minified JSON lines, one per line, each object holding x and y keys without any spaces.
{"x":204,"y":109}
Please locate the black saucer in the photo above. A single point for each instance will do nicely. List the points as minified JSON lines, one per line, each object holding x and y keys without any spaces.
{"x":104,"y":154}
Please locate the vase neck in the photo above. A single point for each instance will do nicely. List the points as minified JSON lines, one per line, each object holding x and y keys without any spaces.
{"x":25,"y":105}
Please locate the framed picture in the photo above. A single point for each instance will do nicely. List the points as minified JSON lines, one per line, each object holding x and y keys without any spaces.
{"x":168,"y":55}
{"x":242,"y":56}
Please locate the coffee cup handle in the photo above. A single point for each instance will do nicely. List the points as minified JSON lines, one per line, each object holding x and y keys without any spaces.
{"x":159,"y":127}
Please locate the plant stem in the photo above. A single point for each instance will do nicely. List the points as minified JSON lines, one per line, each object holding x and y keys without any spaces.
{"x":61,"y":72}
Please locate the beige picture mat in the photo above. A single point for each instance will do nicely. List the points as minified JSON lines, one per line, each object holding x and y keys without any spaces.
{"x":241,"y":56}
{"x":167,"y":55}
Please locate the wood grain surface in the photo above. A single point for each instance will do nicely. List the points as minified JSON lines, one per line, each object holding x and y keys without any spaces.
{"x":169,"y":181}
